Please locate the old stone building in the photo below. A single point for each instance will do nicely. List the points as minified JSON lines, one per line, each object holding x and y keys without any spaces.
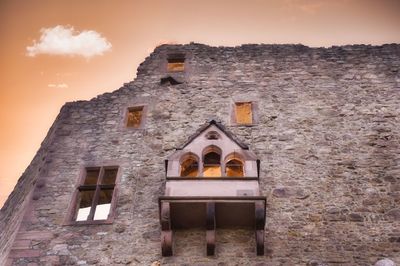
{"x":249,"y":155}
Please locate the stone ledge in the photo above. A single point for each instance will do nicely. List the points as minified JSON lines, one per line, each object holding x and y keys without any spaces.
{"x":34,"y":235}
{"x":24,"y":253}
{"x":21,"y":244}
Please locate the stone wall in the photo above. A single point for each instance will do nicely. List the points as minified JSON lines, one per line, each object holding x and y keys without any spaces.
{"x":327,"y":137}
{"x":12,"y":213}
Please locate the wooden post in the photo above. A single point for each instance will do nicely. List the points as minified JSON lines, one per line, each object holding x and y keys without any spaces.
{"x":259,"y":226}
{"x":210,"y":226}
{"x":166,"y":232}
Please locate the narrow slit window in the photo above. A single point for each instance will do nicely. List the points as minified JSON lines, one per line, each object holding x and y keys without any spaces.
{"x":244,"y":113}
{"x":95,"y":194}
{"x":135,"y":117}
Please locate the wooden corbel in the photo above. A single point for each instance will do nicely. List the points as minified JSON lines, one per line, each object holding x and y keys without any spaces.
{"x":210,"y":226}
{"x":166,"y":232}
{"x":259,"y":226}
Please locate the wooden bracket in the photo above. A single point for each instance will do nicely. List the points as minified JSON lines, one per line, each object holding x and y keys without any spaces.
{"x":259,"y":226}
{"x":210,"y":226}
{"x":166,"y":232}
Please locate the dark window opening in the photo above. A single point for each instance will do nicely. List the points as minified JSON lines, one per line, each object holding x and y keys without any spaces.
{"x":176,"y":63}
{"x":169,"y":80}
{"x":212,"y":164}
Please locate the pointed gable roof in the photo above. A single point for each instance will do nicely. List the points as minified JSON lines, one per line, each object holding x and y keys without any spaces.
{"x":208,"y":124}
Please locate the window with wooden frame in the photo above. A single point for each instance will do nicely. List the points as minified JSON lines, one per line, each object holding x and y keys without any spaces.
{"x":94,"y":197}
{"x":176,"y":63}
{"x":244,"y":113}
{"x":135,"y":117}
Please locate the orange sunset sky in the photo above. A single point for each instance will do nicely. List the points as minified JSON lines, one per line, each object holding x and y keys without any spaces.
{"x":54,"y":51}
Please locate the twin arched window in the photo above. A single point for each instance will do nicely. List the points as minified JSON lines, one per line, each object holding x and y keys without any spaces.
{"x":211,"y":164}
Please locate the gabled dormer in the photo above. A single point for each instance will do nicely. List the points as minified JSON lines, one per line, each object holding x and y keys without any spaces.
{"x":212,"y":182}
{"x":213,"y":152}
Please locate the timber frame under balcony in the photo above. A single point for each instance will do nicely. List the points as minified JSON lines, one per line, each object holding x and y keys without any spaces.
{"x":211,"y":213}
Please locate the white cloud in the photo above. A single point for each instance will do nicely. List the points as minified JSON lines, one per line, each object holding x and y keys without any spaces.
{"x":60,"y":85}
{"x":61,"y":40}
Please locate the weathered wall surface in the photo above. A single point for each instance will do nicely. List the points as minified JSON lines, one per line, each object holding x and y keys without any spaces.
{"x":327,"y":138}
{"x":12,"y":213}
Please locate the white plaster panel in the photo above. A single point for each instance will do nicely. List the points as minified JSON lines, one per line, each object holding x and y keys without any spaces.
{"x":210,"y":187}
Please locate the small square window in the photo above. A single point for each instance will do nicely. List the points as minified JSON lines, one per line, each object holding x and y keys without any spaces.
{"x":244,"y":113}
{"x":176,"y":63}
{"x":94,"y":199}
{"x":135,"y":117}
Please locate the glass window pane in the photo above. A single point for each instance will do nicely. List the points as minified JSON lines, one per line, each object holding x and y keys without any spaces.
{"x":109,"y":176}
{"x":104,"y":204}
{"x":91,"y":176}
{"x":244,"y":113}
{"x":135,"y":116}
{"x":84,"y":204}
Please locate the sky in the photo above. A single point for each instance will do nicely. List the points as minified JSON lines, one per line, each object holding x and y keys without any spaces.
{"x":56,"y":51}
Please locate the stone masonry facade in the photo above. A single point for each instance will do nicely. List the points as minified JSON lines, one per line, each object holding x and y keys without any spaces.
{"x":327,"y":136}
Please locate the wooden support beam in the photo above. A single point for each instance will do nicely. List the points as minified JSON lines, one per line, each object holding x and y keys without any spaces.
{"x":260,"y":242}
{"x":210,"y":226}
{"x":210,"y":202}
{"x":165,"y":217}
{"x":166,"y":232}
{"x":166,"y":243}
{"x":259,"y":226}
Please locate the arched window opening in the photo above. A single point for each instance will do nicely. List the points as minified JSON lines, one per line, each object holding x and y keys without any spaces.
{"x":212,"y":162}
{"x":234,"y":168}
{"x":189,"y":166}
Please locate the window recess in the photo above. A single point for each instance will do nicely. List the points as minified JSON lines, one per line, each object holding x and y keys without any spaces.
{"x":135,"y":117}
{"x":176,"y":63}
{"x":95,"y":195}
{"x":244,"y":113}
